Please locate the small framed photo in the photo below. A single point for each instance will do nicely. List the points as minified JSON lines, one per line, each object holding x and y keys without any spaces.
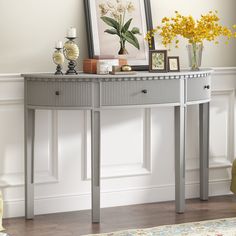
{"x":173,"y":64}
{"x":158,"y":61}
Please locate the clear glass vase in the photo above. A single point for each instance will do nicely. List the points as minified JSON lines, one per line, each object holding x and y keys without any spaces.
{"x":195,"y":55}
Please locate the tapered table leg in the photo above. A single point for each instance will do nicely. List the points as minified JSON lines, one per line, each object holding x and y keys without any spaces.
{"x":96,"y":149}
{"x":29,"y":162}
{"x":204,"y":149}
{"x":180,"y":133}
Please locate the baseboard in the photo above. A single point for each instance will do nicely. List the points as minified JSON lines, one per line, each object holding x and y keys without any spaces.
{"x":131,"y":196}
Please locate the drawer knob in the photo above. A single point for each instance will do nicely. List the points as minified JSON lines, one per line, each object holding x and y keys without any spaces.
{"x":57,"y":93}
{"x":207,"y":87}
{"x":144,"y":91}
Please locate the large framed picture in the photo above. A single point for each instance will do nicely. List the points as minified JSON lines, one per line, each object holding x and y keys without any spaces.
{"x":158,"y":61}
{"x":118,"y":28}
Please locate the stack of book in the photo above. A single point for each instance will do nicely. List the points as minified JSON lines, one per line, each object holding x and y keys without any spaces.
{"x":90,"y":65}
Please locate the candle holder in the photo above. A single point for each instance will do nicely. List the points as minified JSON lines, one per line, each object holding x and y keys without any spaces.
{"x":58,"y":59}
{"x":71,"y":52}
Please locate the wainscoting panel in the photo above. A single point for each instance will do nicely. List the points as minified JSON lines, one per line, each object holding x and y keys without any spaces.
{"x":11,"y":136}
{"x":137,"y":151}
{"x":136,"y":146}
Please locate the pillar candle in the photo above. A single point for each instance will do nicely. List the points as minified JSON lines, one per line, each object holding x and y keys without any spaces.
{"x":58,"y":44}
{"x":71,"y":33}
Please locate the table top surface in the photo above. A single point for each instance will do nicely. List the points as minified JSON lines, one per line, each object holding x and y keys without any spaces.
{"x":139,"y":74}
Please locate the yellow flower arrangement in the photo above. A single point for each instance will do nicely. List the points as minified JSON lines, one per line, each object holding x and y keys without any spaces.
{"x":196,"y":31}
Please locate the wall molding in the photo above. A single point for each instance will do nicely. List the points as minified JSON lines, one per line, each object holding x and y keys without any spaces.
{"x":11,"y":78}
{"x":51,"y":174}
{"x":220,"y":162}
{"x":217,"y":162}
{"x":230,"y":121}
{"x":48,"y":176}
{"x":224,"y":70}
{"x":41,"y":177}
{"x":11,"y":102}
{"x":118,"y":171}
{"x":111,"y":198}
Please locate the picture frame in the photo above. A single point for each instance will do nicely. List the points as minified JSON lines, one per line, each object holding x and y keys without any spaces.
{"x":173,"y":64}
{"x":158,"y":61}
{"x":104,"y":40}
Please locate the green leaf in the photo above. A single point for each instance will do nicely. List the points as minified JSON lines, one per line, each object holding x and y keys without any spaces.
{"x":131,"y":38}
{"x":111,"y":22}
{"x":111,"y":31}
{"x":126,"y":26}
{"x":135,"y":30}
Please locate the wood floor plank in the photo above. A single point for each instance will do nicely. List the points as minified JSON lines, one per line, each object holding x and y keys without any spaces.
{"x":121,"y":218}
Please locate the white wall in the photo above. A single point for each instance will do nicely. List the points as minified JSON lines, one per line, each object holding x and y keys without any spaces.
{"x":30,"y":28}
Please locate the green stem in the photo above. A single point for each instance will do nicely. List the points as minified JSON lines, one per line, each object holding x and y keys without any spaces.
{"x":123,"y":18}
{"x":194,"y":66}
{"x":122,"y":42}
{"x":120,"y":20}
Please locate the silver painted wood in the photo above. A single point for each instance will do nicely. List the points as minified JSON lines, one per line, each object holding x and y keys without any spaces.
{"x":98,"y":92}
{"x":180,"y":140}
{"x":96,"y":151}
{"x":29,"y":163}
{"x":199,"y":88}
{"x":144,"y":75}
{"x":55,"y":93}
{"x":140,"y":92}
{"x":204,"y":148}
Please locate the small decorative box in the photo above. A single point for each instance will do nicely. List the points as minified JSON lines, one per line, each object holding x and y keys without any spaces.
{"x":103,"y":68}
{"x":90,"y":65}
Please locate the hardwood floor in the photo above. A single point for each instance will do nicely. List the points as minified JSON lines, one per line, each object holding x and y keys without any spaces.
{"x":120,"y":218}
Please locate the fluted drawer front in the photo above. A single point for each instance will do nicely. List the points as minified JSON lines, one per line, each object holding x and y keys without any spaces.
{"x":140,"y":92}
{"x":74,"y":94}
{"x":46,"y":93}
{"x":198,"y":89}
{"x":41,"y":93}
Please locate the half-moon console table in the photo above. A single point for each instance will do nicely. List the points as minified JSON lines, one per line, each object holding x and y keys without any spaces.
{"x":98,"y":92}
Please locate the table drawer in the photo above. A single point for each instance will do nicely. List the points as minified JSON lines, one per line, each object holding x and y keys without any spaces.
{"x":198,"y":89}
{"x":140,"y":92}
{"x":46,"y":93}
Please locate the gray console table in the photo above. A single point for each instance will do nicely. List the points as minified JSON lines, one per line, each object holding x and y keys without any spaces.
{"x":97,"y":92}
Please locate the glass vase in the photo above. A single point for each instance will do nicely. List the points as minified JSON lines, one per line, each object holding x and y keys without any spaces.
{"x":195,"y":55}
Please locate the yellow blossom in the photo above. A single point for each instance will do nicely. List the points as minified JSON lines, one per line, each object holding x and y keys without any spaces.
{"x":196,"y":31}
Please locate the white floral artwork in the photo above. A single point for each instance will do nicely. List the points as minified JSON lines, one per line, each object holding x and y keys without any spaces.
{"x":118,"y":18}
{"x":118,"y":27}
